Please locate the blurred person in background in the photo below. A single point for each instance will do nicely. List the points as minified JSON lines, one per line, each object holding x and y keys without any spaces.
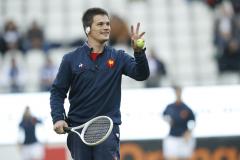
{"x":119,"y":32}
{"x":157,"y":71}
{"x":212,"y":3}
{"x":179,"y":144}
{"x":223,"y":26}
{"x":230,"y":59}
{"x":47,"y":75}
{"x":227,"y":38}
{"x":93,"y":73}
{"x":11,"y":39}
{"x":30,"y":148}
{"x":236,"y":6}
{"x":15,"y":77}
{"x":236,"y":27}
{"x":35,"y":38}
{"x":2,"y":45}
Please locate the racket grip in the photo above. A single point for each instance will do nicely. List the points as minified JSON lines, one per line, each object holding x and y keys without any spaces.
{"x":67,"y":129}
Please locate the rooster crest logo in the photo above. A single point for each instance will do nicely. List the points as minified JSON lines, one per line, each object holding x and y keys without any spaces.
{"x":110,"y":63}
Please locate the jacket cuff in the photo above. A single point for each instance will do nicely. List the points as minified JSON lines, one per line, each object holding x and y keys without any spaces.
{"x":142,"y":51}
{"x":58,"y":119}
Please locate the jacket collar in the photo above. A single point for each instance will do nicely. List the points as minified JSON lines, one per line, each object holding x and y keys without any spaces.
{"x":89,"y":50}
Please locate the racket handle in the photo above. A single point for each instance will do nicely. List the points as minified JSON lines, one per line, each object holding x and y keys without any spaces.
{"x":67,"y":129}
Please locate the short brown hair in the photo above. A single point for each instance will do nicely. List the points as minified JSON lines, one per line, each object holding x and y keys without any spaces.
{"x":87,"y":18}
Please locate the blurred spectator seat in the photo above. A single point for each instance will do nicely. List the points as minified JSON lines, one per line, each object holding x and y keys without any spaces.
{"x":13,"y":78}
{"x":130,"y":83}
{"x":1,"y":73}
{"x":56,"y":55}
{"x":18,"y":55}
{"x":74,"y":26}
{"x":1,"y":58}
{"x":229,"y":78}
{"x":13,"y":10}
{"x":55,"y":22}
{"x":99,"y":3}
{"x":34,"y":61}
{"x":47,"y":74}
{"x":34,"y":11}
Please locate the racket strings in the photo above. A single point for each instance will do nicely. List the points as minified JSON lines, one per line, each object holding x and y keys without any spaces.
{"x":97,"y":130}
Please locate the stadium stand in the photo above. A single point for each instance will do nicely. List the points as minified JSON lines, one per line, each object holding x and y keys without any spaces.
{"x":181,"y":32}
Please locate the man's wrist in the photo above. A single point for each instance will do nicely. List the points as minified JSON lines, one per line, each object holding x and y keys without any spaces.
{"x":139,"y":51}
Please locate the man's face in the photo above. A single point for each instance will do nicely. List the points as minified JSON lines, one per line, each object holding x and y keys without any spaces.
{"x":100,"y":29}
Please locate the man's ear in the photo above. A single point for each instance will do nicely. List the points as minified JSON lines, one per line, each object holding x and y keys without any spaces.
{"x":87,"y":30}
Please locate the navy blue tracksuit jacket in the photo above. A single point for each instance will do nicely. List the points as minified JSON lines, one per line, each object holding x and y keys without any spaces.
{"x":29,"y":127}
{"x":180,"y":115}
{"x":94,"y":86}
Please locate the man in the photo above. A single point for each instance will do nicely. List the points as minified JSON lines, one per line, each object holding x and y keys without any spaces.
{"x":30,"y":147}
{"x":179,"y":145}
{"x":157,"y":70}
{"x":92,"y":75}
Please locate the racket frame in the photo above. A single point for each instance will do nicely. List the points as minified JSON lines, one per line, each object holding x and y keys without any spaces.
{"x":85,"y":126}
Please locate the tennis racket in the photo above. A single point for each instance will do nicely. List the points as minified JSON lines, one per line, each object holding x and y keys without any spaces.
{"x":93,"y":132}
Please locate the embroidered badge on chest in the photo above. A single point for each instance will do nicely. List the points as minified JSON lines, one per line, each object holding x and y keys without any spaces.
{"x":110,"y":63}
{"x":81,"y":66}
